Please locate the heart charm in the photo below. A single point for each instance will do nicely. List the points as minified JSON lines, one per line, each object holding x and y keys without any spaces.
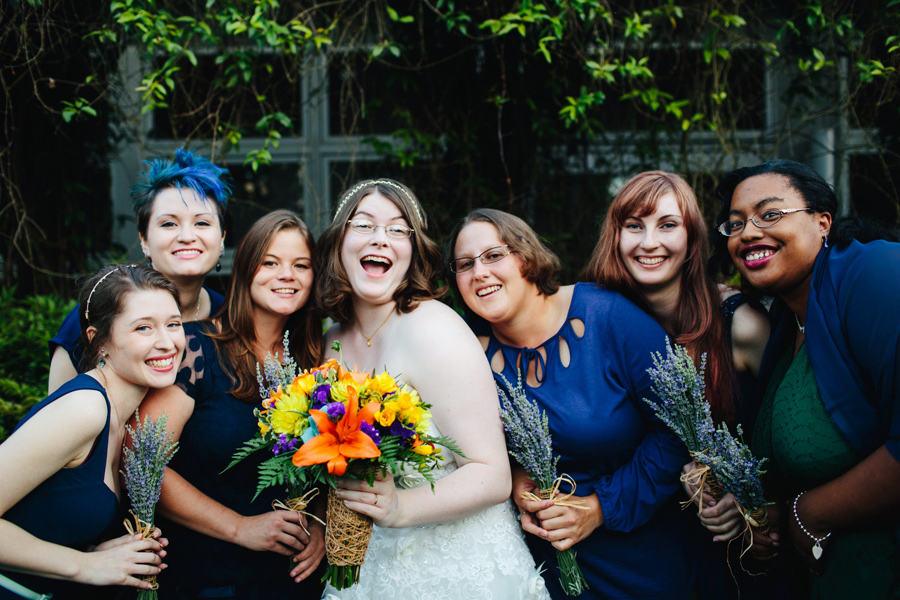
{"x":817,"y":551}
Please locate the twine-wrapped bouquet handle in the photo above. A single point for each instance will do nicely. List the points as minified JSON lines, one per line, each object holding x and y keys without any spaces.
{"x":298,"y":505}
{"x":552,"y":493}
{"x":145,"y":530}
{"x":700,"y":477}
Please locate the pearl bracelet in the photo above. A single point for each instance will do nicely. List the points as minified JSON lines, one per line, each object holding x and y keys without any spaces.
{"x":817,"y":547}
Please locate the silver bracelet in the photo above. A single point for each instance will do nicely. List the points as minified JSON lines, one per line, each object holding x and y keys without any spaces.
{"x":817,"y":547}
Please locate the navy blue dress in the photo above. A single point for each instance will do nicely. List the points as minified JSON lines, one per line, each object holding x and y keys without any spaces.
{"x":74,"y":507}
{"x":611,"y":443}
{"x":70,"y":330}
{"x":201,"y":566}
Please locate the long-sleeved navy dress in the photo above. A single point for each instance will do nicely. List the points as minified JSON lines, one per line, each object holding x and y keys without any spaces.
{"x":611,"y":443}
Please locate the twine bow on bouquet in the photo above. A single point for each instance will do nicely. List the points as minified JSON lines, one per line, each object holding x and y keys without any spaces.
{"x":529,"y":443}
{"x":552,"y":493}
{"x":740,"y":474}
{"x":724,"y":462}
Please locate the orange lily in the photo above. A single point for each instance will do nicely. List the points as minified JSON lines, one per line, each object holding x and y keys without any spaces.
{"x":331,"y":364}
{"x":339,"y":441}
{"x":355,"y":376}
{"x":274,"y":396}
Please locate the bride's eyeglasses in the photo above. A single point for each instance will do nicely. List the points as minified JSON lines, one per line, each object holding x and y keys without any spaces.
{"x":397,"y":232}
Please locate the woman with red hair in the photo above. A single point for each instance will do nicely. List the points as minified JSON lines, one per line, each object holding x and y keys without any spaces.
{"x":654,"y":250}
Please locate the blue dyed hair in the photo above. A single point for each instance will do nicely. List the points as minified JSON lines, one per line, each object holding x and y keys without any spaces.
{"x":189,"y":170}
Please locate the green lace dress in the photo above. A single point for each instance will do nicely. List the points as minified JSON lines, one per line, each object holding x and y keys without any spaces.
{"x":805,"y":450}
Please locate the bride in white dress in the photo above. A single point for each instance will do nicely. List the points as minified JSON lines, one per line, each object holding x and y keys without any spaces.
{"x":377,"y":274}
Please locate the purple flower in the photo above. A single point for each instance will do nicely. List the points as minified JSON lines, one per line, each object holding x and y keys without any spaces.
{"x":335,"y":411}
{"x":320,"y":395}
{"x":281,"y":445}
{"x":370,"y":431}
{"x":398,"y":429}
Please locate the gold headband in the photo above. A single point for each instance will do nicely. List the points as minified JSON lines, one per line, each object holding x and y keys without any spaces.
{"x":87,"y":306}
{"x":393,"y":184}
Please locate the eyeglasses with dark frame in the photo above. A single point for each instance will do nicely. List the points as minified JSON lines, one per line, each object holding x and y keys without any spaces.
{"x":488,"y":257}
{"x":398,"y":232}
{"x":764,"y":218}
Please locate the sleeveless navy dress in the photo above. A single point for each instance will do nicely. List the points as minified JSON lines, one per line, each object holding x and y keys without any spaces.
{"x":73,"y":508}
{"x":200,"y":566}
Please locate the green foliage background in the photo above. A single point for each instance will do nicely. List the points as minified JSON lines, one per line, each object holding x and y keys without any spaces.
{"x":26,"y":325}
{"x":539,"y":108}
{"x":535,"y":107}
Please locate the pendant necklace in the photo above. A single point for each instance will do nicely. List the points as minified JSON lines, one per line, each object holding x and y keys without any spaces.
{"x":369,"y":337}
{"x":802,"y":328}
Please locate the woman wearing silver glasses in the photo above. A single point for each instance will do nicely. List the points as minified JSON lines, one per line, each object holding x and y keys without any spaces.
{"x":584,"y":353}
{"x":378,"y":278}
{"x":830,"y":419}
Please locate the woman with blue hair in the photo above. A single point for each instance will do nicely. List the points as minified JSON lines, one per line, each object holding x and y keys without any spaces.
{"x":180,"y":209}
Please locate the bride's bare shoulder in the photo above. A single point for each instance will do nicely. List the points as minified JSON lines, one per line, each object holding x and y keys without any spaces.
{"x":433,"y":313}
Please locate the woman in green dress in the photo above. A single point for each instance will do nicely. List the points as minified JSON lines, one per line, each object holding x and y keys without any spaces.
{"x":830,"y":419}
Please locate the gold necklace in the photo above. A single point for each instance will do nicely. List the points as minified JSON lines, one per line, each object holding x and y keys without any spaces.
{"x":369,"y":337}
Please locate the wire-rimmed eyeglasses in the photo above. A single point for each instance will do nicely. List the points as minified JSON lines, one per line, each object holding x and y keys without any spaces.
{"x":368,"y":227}
{"x":764,"y":218}
{"x":489,"y":256}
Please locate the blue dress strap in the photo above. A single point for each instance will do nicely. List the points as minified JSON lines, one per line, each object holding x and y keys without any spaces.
{"x":728,"y":306}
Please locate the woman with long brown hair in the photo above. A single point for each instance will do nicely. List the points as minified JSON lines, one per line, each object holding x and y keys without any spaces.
{"x":228,"y":545}
{"x":654,"y":249}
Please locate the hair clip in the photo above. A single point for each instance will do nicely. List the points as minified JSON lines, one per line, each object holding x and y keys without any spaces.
{"x":393,"y":184}
{"x":87,"y":307}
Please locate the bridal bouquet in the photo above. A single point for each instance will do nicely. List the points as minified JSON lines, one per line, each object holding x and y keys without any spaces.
{"x":331,"y":422}
{"x":681,"y":388}
{"x":529,"y":443}
{"x":145,"y":463}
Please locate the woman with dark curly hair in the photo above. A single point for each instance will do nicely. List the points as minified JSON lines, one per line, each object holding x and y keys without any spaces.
{"x":830,"y":419}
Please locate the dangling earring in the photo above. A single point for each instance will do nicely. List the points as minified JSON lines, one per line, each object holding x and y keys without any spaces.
{"x":102,"y":362}
{"x":218,"y":266}
{"x":825,"y":240}
{"x":149,"y":260}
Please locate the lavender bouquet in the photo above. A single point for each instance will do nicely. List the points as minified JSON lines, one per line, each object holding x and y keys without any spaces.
{"x":145,"y":463}
{"x":681,"y":387}
{"x":739,"y":472}
{"x":528,"y":441}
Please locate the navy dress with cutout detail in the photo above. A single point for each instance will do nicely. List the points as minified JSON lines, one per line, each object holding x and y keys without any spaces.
{"x":612,"y":444}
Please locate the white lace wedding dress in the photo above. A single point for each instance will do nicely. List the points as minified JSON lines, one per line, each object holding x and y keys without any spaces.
{"x":481,"y":556}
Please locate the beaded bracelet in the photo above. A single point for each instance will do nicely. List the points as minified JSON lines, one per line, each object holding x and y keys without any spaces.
{"x":817,"y":547}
